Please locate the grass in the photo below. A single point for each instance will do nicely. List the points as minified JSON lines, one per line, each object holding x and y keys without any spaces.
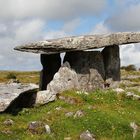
{"x":109,"y":118}
{"x":106,"y":114}
{"x":23,"y":77}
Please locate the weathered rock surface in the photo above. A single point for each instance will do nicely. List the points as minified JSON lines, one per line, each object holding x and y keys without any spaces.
{"x":89,"y":67}
{"x":64,"y":79}
{"x":87,"y":136}
{"x":10,"y":92}
{"x":81,"y":43}
{"x":111,"y":58}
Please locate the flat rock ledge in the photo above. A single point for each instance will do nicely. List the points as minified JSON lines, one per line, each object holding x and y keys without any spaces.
{"x":13,"y":94}
{"x":79,"y":43}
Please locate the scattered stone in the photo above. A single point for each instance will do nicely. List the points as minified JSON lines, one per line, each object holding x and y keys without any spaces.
{"x":58,"y":108}
{"x":87,"y":136}
{"x":47,"y":128}
{"x":82,"y":92}
{"x":79,"y":114}
{"x":69,"y":100}
{"x":8,"y":122}
{"x":110,"y":83}
{"x":118,"y":90}
{"x":135,"y":128}
{"x":132,"y":95}
{"x":14,"y":93}
{"x":36,"y":127}
{"x":69,"y":114}
{"x":7,"y":132}
{"x":136,"y":97}
{"x":129,"y":94}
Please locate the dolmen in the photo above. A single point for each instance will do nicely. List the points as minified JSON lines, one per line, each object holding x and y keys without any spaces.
{"x":91,"y":68}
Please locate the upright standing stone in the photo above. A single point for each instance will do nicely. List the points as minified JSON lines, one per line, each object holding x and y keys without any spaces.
{"x":112,"y":62}
{"x":51,"y":64}
{"x":89,"y":67}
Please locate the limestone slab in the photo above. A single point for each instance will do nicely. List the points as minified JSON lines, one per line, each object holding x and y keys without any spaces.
{"x":78,"y":43}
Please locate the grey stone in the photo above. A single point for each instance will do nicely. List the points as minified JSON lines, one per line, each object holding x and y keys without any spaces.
{"x":8,"y":122}
{"x":14,"y":95}
{"x":47,"y":128}
{"x":69,"y":114}
{"x":135,"y":128}
{"x":36,"y":127}
{"x":78,"y":43}
{"x":79,"y":114}
{"x":87,"y":136}
{"x":89,"y":68}
{"x":51,"y":64}
{"x":111,"y":62}
{"x":64,"y":79}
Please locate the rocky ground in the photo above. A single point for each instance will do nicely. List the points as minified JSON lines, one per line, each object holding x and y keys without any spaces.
{"x":102,"y":114}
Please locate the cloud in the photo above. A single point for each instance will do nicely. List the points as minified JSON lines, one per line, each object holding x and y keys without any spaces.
{"x":100,"y":28}
{"x":50,"y":9}
{"x":130,"y":55}
{"x":127,"y":18}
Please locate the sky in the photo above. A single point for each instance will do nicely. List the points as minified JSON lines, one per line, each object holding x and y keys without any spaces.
{"x":24,"y":21}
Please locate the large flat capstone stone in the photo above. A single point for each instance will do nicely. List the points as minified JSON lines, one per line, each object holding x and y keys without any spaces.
{"x":80,"y":43}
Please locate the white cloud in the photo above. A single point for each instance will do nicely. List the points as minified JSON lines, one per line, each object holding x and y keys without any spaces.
{"x":127,"y":18}
{"x":30,"y":30}
{"x":130,"y":55}
{"x":50,"y":9}
{"x":100,"y":28}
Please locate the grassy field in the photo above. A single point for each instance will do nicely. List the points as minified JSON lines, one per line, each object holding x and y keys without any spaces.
{"x":106,"y":114}
{"x":23,"y":77}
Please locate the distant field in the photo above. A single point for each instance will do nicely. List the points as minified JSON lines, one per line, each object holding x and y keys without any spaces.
{"x":23,"y":77}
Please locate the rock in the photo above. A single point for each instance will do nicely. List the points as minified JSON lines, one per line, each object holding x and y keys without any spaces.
{"x":58,"y":108}
{"x":47,"y":128}
{"x":87,"y":136}
{"x":64,"y":79}
{"x":69,"y":100}
{"x":110,"y":83}
{"x":129,"y":94}
{"x":118,"y":90}
{"x":44,"y":97}
{"x":135,"y":128}
{"x":79,"y":114}
{"x":8,"y":122}
{"x":51,"y":64}
{"x":89,"y":68}
{"x":111,"y":59}
{"x":136,"y":97}
{"x":69,"y":114}
{"x":79,"y":43}
{"x":82,"y":92}
{"x":36,"y":127}
{"x":16,"y":95}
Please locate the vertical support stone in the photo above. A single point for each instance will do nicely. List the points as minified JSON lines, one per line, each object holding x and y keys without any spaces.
{"x":89,"y":67}
{"x":51,"y":64}
{"x":111,"y":58}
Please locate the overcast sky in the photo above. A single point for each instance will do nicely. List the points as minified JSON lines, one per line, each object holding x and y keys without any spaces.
{"x":23,"y":21}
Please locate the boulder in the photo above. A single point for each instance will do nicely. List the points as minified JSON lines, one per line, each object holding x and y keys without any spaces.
{"x":89,"y":67}
{"x":64,"y":79}
{"x":16,"y":95}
